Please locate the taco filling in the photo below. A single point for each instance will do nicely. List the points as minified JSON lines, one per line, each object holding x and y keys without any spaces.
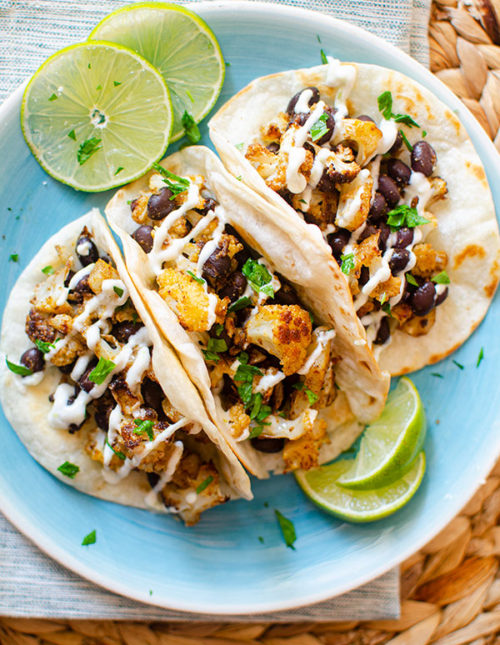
{"x":370,"y":191}
{"x":83,"y":324}
{"x":271,"y":365}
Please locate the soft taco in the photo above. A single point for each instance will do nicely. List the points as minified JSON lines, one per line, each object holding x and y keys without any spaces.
{"x":389,"y":176}
{"x":257,"y":314}
{"x":96,"y":394}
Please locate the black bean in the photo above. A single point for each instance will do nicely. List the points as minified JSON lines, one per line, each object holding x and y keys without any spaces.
{"x":286,"y":295}
{"x":365,"y":117}
{"x":404,"y":238}
{"x":153,"y":479}
{"x":143,"y":237}
{"x":82,"y":286}
{"x":337,"y":241}
{"x":383,"y":332}
{"x":103,"y":409}
{"x":33,"y":359}
{"x":123,"y":330}
{"x":364,"y":275}
{"x":84,"y":382}
{"x":160,"y":204}
{"x":229,"y":394}
{"x":68,"y":278}
{"x":326,"y":184}
{"x":330,"y":125}
{"x":378,"y":209}
{"x":273,"y":147}
{"x":152,"y":394}
{"x":423,"y":158}
{"x":384,"y":236}
{"x":67,"y":369}
{"x":369,"y":229}
{"x":422,"y":300}
{"x":293,"y":101}
{"x":396,"y":146}
{"x":286,"y":194}
{"x":399,"y":171}
{"x":89,"y":253}
{"x":234,"y":286}
{"x":399,"y":259}
{"x":442,"y":297}
{"x":217,"y":267}
{"x":268,"y":445}
{"x":389,"y":189}
{"x":209,"y":204}
{"x":310,"y":147}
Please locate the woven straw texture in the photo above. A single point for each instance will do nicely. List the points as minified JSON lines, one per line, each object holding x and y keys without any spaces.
{"x":450,"y":590}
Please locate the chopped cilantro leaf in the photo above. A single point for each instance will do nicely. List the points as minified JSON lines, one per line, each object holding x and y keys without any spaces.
{"x":91,"y":538}
{"x":144,"y":426}
{"x":386,"y":308}
{"x":437,"y":375}
{"x":319,"y":128}
{"x":383,"y":299}
{"x":441,"y":278}
{"x":411,"y":280}
{"x":405,"y":141}
{"x":72,"y":135}
{"x":312,"y":397}
{"x":255,"y":432}
{"x":210,"y":356}
{"x":319,"y":39}
{"x":266,"y":504}
{"x":100,"y":372}
{"x":219,"y":328}
{"x":14,"y":257}
{"x":241,"y":303}
{"x":119,"y":454}
{"x":480,"y":357}
{"x":69,"y":469}
{"x":118,"y":170}
{"x":424,"y":133}
{"x":52,"y":97}
{"x":175,"y":183}
{"x":43,"y":346}
{"x":404,"y":215}
{"x":195,"y":277}
{"x":191,"y":130}
{"x":214,"y":347}
{"x":459,"y":365}
{"x":21,"y":370}
{"x":347,"y":263}
{"x":258,"y":276}
{"x":302,"y":201}
{"x":385,"y":107}
{"x":99,"y":87}
{"x":48,"y":270}
{"x":87,"y":149}
{"x":206,"y":482}
{"x":261,"y":539}
{"x":150,"y":592}
{"x":287,"y":529}
{"x":298,"y":386}
{"x":116,"y":83}
{"x":238,"y":177}
{"x":118,"y":291}
{"x":324,"y":59}
{"x":228,"y":64}
{"x":239,"y":146}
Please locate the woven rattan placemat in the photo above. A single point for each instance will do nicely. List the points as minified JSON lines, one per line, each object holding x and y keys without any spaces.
{"x":450,"y":590}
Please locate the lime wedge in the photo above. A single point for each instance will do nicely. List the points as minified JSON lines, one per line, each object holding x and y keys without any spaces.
{"x":389,"y":446}
{"x":320,"y":485}
{"x":96,"y":115}
{"x":180,"y":45}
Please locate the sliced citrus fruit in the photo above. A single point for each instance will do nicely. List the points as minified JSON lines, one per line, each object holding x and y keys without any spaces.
{"x":320,"y":486}
{"x":179,"y":44}
{"x":390,"y":444}
{"x":96,"y":115}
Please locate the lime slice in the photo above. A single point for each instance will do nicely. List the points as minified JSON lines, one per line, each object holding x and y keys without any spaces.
{"x":320,"y":486}
{"x":96,"y":115}
{"x":389,"y":446}
{"x":180,"y":45}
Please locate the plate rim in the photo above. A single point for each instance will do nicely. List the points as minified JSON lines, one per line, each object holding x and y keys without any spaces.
{"x":50,"y":547}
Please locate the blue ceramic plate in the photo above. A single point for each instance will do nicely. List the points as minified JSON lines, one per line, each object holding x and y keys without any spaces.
{"x":220,"y":565}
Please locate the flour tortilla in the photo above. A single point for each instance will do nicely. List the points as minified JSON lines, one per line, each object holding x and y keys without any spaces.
{"x":293,"y":249}
{"x":27,"y":407}
{"x":468,"y":230}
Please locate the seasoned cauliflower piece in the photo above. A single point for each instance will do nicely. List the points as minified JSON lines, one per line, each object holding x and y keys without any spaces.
{"x":186,"y":297}
{"x":419,"y":325}
{"x":264,"y":161}
{"x":238,"y":421}
{"x":38,"y":327}
{"x":364,"y":134}
{"x":322,"y":207}
{"x":303,"y":453}
{"x":341,"y":166}
{"x":101,"y":271}
{"x":75,"y":346}
{"x":439,"y":189}
{"x":61,"y":322}
{"x":50,"y":295}
{"x":429,"y":261}
{"x":402,"y":312}
{"x":354,"y":202}
{"x":284,"y":331}
{"x":366,"y":253}
{"x":122,"y":394}
{"x":139,"y":207}
{"x":387,"y":289}
{"x":273,"y":132}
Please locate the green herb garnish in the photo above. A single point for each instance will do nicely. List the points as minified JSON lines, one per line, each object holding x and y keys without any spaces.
{"x":191,"y":130}
{"x":119,"y":454}
{"x":72,"y":135}
{"x":459,"y":365}
{"x":48,"y":270}
{"x":175,"y":183}
{"x":14,"y":257}
{"x":118,"y":291}
{"x":259,"y":277}
{"x":100,"y":372}
{"x":404,"y":215}
{"x":214,"y":347}
{"x":480,"y":357}
{"x":324,"y":59}
{"x":319,"y":128}
{"x":261,"y":539}
{"x":21,"y":370}
{"x":385,"y":107}
{"x":239,"y":146}
{"x":99,"y":87}
{"x":144,"y":426}
{"x":441,"y":278}
{"x":405,"y":141}
{"x":45,"y":347}
{"x":195,"y":277}
{"x":52,"y":97}
{"x":87,"y":149}
{"x":411,"y":280}
{"x":312,"y":397}
{"x":206,"y":482}
{"x":255,"y":432}
{"x":386,"y":308}
{"x":219,"y":328}
{"x":437,"y":375}
{"x":347,"y":263}
{"x":69,"y":469}
{"x":118,"y":170}
{"x":91,"y":538}
{"x":287,"y":529}
{"x":116,"y":83}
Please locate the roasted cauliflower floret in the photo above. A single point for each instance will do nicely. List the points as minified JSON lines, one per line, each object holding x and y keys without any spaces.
{"x":303,"y":453}
{"x":429,"y":261}
{"x":50,"y":295}
{"x":131,"y":444}
{"x":273,"y":132}
{"x":402,"y":312}
{"x":263,"y":160}
{"x":354,"y":202}
{"x":101,"y":271}
{"x":139,"y":207}
{"x":239,"y":421}
{"x":419,"y":325}
{"x":387,"y":289}
{"x":364,"y":134}
{"x":284,"y":331}
{"x":341,"y":166}
{"x":366,"y":253}
{"x":187,"y":298}
{"x":322,"y":207}
{"x":74,"y":347}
